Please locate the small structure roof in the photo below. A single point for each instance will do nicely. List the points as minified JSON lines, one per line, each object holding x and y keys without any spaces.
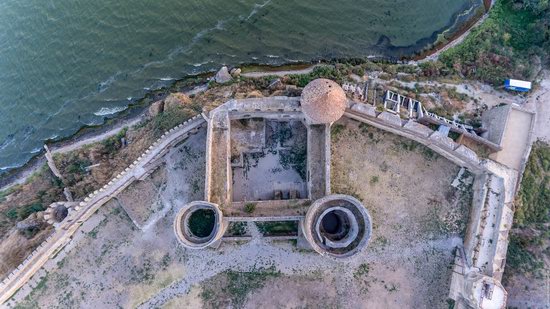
{"x":518,"y":85}
{"x":323,"y":101}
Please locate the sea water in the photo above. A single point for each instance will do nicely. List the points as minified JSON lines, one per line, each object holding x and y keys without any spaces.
{"x":65,"y":64}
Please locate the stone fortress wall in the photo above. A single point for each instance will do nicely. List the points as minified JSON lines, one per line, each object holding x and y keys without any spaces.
{"x":486,"y":241}
{"x":138,"y":170}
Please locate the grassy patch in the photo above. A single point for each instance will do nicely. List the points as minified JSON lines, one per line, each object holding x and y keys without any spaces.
{"x":278,"y":228}
{"x":529,"y":239}
{"x":519,"y":258}
{"x":374,"y":180}
{"x":237,"y":286}
{"x":237,"y":229}
{"x":336,"y":130}
{"x":329,"y":72}
{"x":362,"y":270}
{"x":249,"y":207}
{"x":169,"y":119}
{"x":532,"y":205}
{"x":21,"y":213}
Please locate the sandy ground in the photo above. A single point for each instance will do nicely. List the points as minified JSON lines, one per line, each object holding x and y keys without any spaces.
{"x":515,"y":140}
{"x":417,"y":216}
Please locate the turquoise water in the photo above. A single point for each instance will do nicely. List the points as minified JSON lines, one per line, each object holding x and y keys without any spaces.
{"x":69,"y":63}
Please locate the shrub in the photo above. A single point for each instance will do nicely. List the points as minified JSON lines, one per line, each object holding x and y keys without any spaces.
{"x":502,"y":46}
{"x":249,"y":207}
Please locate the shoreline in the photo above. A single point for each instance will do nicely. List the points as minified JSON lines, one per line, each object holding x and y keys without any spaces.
{"x":137,"y":109}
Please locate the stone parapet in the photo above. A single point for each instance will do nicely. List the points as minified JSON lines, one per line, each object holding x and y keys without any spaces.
{"x":391,"y":119}
{"x":417,"y":128}
{"x":459,"y":154}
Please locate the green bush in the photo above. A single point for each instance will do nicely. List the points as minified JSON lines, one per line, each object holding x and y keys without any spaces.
{"x":22,"y":212}
{"x":249,"y":207}
{"x":533,"y":206}
{"x":502,"y":46}
{"x":169,"y":119}
{"x":278,"y":228}
{"x":519,"y":258}
{"x":329,"y":72}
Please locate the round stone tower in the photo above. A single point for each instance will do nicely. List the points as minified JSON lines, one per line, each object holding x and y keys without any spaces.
{"x":199,"y":225}
{"x":337,"y":225}
{"x":56,"y":213}
{"x":323,"y":101}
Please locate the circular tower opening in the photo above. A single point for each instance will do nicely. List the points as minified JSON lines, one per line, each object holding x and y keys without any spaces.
{"x":337,"y":225}
{"x":331,"y":223}
{"x":201,"y":222}
{"x":199,"y":225}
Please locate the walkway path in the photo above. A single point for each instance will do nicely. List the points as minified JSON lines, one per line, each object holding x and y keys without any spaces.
{"x":279,"y":73}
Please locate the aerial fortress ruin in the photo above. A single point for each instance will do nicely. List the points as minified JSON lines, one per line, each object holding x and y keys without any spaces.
{"x":269,"y":160}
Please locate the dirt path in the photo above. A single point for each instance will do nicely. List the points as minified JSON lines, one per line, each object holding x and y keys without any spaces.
{"x":539,"y":101}
{"x":278,"y":73}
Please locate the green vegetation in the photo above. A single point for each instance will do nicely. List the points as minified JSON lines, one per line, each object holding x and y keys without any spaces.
{"x":338,"y":70}
{"x":170,"y":118}
{"x":145,"y":273}
{"x":361,"y":275}
{"x":114,"y":142}
{"x":374,"y":180}
{"x":529,"y":238}
{"x":278,"y":228}
{"x":22,"y":212}
{"x":336,"y":130}
{"x":533,"y":206}
{"x":78,"y":165}
{"x":237,"y":228}
{"x":295,"y":158}
{"x":502,"y":46}
{"x":519,"y":258}
{"x":237,"y":287}
{"x":249,"y":207}
{"x":201,"y":222}
{"x":5,"y":193}
{"x":362,"y":270}
{"x":329,"y":72}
